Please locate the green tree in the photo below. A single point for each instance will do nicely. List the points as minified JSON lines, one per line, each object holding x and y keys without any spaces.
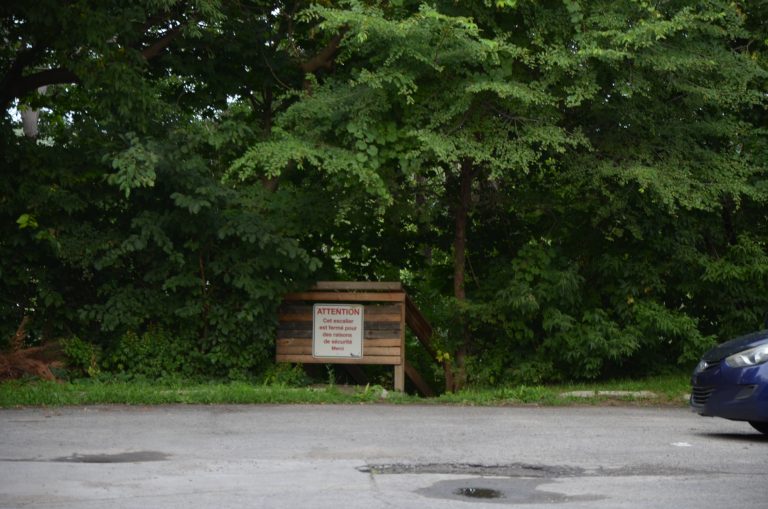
{"x":570,"y":137}
{"x":570,"y":189}
{"x":116,"y":219}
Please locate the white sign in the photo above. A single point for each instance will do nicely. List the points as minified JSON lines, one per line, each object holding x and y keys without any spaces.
{"x":337,"y":330}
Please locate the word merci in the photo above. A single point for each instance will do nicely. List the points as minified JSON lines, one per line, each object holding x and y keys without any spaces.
{"x":337,"y":330}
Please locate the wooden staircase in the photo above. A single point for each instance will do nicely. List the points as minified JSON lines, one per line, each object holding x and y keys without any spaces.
{"x":388,"y":311}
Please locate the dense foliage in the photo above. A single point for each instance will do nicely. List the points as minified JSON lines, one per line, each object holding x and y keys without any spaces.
{"x":569,"y":189}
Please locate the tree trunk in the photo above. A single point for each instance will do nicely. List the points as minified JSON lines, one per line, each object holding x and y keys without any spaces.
{"x":459,"y":271}
{"x":729,"y":229}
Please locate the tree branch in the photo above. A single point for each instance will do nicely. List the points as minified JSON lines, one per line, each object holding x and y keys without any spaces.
{"x":159,"y":45}
{"x":324,"y":59}
{"x":15,"y":85}
{"x":22,"y":85}
{"x":23,"y":59}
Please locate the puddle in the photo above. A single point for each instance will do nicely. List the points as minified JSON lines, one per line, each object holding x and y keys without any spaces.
{"x":513,"y":483}
{"x":473,"y":492}
{"x":124,"y":457}
{"x":500,"y":490}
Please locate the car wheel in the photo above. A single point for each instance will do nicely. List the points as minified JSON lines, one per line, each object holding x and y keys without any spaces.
{"x":762,"y":427}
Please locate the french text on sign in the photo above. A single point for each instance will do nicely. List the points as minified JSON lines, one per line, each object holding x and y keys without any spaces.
{"x":337,"y":330}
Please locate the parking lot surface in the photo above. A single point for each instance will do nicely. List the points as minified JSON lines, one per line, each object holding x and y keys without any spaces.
{"x":377,"y":456}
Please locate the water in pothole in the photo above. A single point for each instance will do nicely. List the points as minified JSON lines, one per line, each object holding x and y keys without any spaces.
{"x":499,"y":490}
{"x":473,"y":492}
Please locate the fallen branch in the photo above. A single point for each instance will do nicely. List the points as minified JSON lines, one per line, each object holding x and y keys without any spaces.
{"x":35,"y":361}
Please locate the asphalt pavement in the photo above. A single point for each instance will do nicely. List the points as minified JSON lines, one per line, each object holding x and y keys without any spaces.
{"x":377,"y":456}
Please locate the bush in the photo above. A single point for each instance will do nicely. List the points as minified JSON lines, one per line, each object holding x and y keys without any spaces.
{"x":82,"y":357}
{"x":153,"y":354}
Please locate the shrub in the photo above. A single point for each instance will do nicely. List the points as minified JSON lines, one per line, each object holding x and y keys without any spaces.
{"x":153,"y":354}
{"x":82,"y":357}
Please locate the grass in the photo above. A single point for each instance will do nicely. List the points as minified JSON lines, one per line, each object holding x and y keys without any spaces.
{"x":668,"y":391}
{"x":85,"y":392}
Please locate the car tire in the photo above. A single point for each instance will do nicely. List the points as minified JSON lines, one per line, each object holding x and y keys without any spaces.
{"x":762,"y":427}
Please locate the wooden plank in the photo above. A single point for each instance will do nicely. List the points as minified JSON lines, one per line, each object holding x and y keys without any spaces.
{"x":295,"y":326}
{"x":383,"y":309}
{"x":294,"y":349}
{"x":296,"y":317}
{"x":381,"y":342}
{"x":293,"y":341}
{"x":388,"y":326}
{"x":367,"y":352}
{"x":420,"y":326}
{"x":373,"y":319}
{"x":421,"y":384}
{"x":389,"y":286}
{"x":308,"y":359}
{"x":370,"y":335}
{"x":416,"y":320}
{"x":346,"y":297}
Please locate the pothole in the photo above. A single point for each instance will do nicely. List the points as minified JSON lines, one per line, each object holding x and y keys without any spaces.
{"x":512,"y":483}
{"x":500,"y":490}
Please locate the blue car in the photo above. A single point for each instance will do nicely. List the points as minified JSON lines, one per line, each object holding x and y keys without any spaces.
{"x":731,"y":381}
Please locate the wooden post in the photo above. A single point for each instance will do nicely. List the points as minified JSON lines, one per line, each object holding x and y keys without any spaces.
{"x":400,"y":368}
{"x":400,"y":377}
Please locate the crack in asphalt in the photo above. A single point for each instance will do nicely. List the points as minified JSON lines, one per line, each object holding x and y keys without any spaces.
{"x":123,"y":457}
{"x":517,"y":470}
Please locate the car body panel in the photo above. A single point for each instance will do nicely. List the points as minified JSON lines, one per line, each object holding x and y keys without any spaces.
{"x":736,"y":345}
{"x":719,"y":390}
